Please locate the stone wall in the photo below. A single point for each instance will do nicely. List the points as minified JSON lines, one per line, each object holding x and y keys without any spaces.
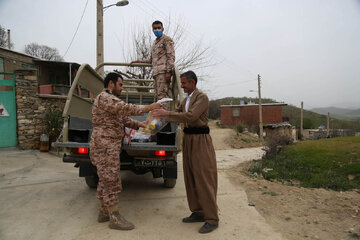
{"x":31,"y":109}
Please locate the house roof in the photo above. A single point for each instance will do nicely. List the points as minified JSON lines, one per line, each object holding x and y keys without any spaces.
{"x":19,"y":53}
{"x":35,"y":59}
{"x":248,"y":105}
{"x":277,"y":125}
{"x":57,"y":62}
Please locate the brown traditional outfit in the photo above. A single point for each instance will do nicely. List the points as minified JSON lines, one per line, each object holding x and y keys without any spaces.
{"x":199,"y":160}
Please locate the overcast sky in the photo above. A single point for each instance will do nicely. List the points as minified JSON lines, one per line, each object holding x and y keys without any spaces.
{"x":304,"y":50}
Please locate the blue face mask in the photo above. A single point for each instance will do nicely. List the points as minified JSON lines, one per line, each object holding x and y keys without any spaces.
{"x":158,"y":33}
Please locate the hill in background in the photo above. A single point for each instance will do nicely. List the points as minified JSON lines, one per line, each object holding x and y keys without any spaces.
{"x":341,"y":113}
{"x":311,"y":119}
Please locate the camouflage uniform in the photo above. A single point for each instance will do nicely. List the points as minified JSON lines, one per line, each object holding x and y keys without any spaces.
{"x":162,"y":59}
{"x":109,"y":119}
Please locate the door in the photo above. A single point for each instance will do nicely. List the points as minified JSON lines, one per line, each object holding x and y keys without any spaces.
{"x":7,"y":111}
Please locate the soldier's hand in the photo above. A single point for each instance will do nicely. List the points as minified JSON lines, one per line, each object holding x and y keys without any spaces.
{"x":155,"y":106}
{"x":158,"y":113}
{"x":168,"y":77}
{"x":142,"y":124}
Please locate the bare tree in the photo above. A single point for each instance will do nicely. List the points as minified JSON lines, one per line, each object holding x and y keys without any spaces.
{"x":189,"y":53}
{"x":4,"y":38}
{"x":43,"y":52}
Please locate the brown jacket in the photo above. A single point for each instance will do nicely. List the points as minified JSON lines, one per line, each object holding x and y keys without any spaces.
{"x":197,"y":116}
{"x":162,"y":55}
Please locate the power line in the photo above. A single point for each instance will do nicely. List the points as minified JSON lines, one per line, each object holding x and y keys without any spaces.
{"x":230,"y":64}
{"x":234,"y":83}
{"x":76,"y":29}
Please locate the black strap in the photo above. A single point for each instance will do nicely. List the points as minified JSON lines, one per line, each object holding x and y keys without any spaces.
{"x":197,"y":130}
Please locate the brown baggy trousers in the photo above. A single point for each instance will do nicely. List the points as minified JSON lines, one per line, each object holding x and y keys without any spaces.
{"x":200,"y":175}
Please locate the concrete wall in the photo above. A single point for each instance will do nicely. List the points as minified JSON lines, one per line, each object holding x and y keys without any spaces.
{"x":31,"y":109}
{"x":249,"y":115}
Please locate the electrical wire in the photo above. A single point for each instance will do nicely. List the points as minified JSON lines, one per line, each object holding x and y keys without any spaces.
{"x":230,"y":64}
{"x":76,"y":29}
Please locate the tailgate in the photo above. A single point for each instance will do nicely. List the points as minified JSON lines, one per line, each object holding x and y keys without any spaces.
{"x":133,"y":146}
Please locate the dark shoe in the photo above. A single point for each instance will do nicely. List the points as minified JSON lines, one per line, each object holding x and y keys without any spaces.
{"x":103,"y":215}
{"x":119,"y":222}
{"x":193,"y":218}
{"x":207,"y":227}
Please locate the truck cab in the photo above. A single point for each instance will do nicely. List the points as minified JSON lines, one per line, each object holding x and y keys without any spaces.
{"x":159,"y":155}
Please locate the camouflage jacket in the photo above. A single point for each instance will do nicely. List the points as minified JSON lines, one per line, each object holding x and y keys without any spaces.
{"x":109,"y":119}
{"x":162,"y":55}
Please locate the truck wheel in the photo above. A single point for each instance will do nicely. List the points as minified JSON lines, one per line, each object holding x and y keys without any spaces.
{"x":170,"y":182}
{"x":92,"y":181}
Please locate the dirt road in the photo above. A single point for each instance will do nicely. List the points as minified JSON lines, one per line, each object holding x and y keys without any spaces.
{"x":43,"y":198}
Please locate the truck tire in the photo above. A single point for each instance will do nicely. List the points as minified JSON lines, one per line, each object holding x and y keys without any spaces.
{"x":169,"y":182}
{"x":92,"y":181}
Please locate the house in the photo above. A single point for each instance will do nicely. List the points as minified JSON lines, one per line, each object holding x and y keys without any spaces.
{"x":280,"y":129}
{"x":248,"y":114}
{"x":313,"y":134}
{"x":52,"y":76}
{"x":28,"y":88}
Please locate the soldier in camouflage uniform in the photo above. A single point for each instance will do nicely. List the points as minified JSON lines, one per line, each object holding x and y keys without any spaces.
{"x":109,"y":119}
{"x":162,"y":59}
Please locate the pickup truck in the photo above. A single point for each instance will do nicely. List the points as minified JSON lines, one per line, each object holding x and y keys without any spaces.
{"x":159,"y":155}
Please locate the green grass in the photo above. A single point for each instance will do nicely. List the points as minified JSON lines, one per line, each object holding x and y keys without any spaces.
{"x":328,"y":163}
{"x":354,"y":235}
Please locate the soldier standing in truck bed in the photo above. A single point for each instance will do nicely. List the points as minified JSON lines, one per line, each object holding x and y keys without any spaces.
{"x":162,"y":58}
{"x":109,"y":119}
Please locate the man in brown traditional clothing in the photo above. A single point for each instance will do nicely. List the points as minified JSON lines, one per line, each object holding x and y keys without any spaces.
{"x":109,"y":119}
{"x":199,"y":160}
{"x":162,"y":58}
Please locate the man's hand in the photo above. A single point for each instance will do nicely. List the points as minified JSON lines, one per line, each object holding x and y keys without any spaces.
{"x":158,"y":113}
{"x":168,"y":77}
{"x":142,"y":124}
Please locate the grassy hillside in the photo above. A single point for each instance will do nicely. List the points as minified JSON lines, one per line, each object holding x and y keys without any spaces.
{"x":311,"y":119}
{"x":327,"y":163}
{"x":314,"y":120}
{"x":340,"y":113}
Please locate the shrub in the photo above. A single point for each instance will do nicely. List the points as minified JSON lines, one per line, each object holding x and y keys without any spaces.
{"x":218,"y":123}
{"x":53,"y":123}
{"x":275,"y":144}
{"x":240,"y":128}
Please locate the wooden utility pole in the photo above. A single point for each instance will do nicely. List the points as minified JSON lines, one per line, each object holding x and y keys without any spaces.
{"x":99,"y":36}
{"x":260,"y":112}
{"x":301,"y":120}
{"x":328,"y":125}
{"x":8,"y":35}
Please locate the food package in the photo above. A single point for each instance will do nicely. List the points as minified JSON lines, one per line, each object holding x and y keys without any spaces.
{"x":132,"y":135}
{"x":154,"y":125}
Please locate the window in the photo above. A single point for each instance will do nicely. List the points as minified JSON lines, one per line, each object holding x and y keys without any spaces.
{"x":236,"y":112}
{"x":27,"y":65}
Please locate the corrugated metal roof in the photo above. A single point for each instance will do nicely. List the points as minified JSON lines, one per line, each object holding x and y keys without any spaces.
{"x":276,"y":125}
{"x":263,"y":104}
{"x":56,"y":62}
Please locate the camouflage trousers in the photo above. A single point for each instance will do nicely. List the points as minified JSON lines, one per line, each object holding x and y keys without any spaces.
{"x":162,"y":89}
{"x":107,"y":162}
